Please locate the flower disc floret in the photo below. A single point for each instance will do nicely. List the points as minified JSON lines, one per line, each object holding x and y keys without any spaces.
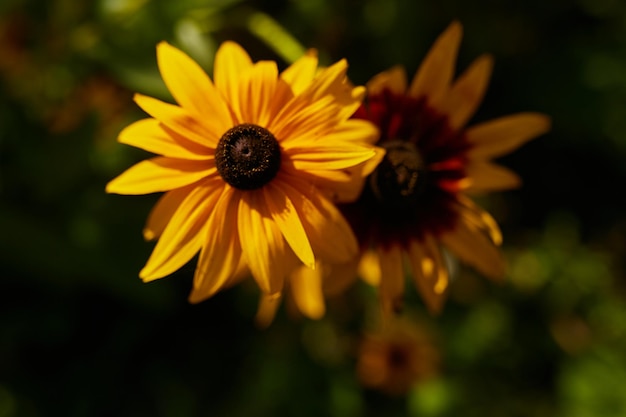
{"x":247,"y":156}
{"x":399,"y":179}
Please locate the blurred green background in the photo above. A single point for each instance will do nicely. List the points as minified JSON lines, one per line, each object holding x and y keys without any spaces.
{"x":80,"y":335}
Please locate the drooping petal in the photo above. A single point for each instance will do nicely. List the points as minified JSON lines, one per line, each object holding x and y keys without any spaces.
{"x":369,"y":267}
{"x":184,"y":234}
{"x":263,"y":245}
{"x":434,"y":76}
{"x":231,"y":60}
{"x":163,"y":211}
{"x":329,"y":234}
{"x":284,"y":213}
{"x":393,"y":79}
{"x":268,"y":305}
{"x":486,"y":177}
{"x":501,"y":136}
{"x":221,"y":252}
{"x":306,"y":288}
{"x":467,"y":92}
{"x":476,"y":249}
{"x":149,"y":135}
{"x":480,"y":219}
{"x":160,"y":174}
{"x":206,"y":133}
{"x":191,"y":87}
{"x":391,"y":286}
{"x":429,"y":272}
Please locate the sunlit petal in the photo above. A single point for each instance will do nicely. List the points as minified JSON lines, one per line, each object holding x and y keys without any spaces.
{"x":184,"y":234}
{"x":182,"y":121}
{"x":160,"y":174}
{"x":191,"y":86}
{"x":262,"y":243}
{"x":231,"y":60}
{"x":221,"y":252}
{"x":150,"y":135}
{"x":329,"y":234}
{"x":284,"y":213}
{"x":163,"y":211}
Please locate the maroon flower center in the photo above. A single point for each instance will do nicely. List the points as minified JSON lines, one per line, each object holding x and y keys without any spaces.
{"x":247,"y":156}
{"x":413,"y":190}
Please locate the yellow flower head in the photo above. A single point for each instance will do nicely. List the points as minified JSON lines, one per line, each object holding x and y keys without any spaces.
{"x":249,"y":163}
{"x":416,"y":200}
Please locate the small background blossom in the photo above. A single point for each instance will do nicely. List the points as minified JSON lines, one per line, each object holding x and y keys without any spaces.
{"x":82,"y":335}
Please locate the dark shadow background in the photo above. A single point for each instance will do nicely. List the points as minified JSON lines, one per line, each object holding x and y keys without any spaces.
{"x":80,"y":335}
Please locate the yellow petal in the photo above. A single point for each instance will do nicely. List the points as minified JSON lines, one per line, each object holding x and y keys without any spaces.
{"x":306,"y":288}
{"x":328,"y":155}
{"x":191,"y":87}
{"x":479,"y":219}
{"x":486,"y":177}
{"x":301,"y":120}
{"x":429,"y":273}
{"x":393,"y":79}
{"x":286,"y":217}
{"x":354,"y":130}
{"x":391,"y":287}
{"x":150,"y":135}
{"x":160,"y":174}
{"x":206,"y":132}
{"x":257,"y":93}
{"x":300,"y":74}
{"x":221,"y":252}
{"x":341,"y":185}
{"x":434,"y":76}
{"x":501,"y":136}
{"x":231,"y":61}
{"x":369,"y":267}
{"x":474,"y":248}
{"x":268,"y":305}
{"x":332,"y":81}
{"x":163,"y":211}
{"x":329,"y":234}
{"x":467,"y":92}
{"x":184,"y":234}
{"x":262,"y":243}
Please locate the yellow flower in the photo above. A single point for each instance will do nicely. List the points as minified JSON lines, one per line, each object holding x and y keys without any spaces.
{"x":397,"y":356}
{"x":249,"y":164}
{"x":416,"y":201}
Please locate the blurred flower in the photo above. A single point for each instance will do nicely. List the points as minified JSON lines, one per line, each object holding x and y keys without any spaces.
{"x":416,"y":199}
{"x":399,"y":355}
{"x":249,"y":165}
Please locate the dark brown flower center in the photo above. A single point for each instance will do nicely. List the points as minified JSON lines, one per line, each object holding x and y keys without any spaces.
{"x":247,"y":156}
{"x":399,"y":180}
